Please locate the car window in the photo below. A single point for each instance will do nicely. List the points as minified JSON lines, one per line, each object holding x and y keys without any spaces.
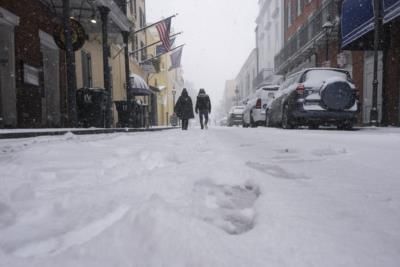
{"x":319,"y":76}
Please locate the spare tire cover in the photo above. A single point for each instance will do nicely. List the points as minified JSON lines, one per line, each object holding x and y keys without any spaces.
{"x":337,"y":95}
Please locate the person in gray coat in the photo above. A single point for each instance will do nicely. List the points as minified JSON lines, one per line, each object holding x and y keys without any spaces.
{"x":203,"y":106}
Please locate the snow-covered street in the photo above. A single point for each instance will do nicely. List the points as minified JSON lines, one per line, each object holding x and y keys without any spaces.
{"x":222,"y":197}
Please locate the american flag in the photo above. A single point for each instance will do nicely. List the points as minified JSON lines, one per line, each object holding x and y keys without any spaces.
{"x":163,"y":29}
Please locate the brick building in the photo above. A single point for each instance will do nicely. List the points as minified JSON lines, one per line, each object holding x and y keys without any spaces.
{"x":309,"y":44}
{"x":32,"y":69}
{"x":357,"y":20}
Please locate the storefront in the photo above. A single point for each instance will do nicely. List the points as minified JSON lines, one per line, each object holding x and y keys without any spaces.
{"x":8,"y":96}
{"x":358,"y":26}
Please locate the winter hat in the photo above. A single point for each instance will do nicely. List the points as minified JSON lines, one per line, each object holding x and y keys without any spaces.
{"x":184,"y":92}
{"x":202,"y":91}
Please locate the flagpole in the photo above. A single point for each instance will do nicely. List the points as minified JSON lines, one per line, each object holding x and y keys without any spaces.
{"x":155,"y":23}
{"x":144,"y":47}
{"x":162,"y":54}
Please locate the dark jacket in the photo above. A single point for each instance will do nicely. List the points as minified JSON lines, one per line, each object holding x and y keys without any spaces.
{"x":184,"y":106}
{"x":203,"y":103}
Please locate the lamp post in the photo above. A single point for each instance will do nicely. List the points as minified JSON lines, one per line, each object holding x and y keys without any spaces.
{"x":375,"y":83}
{"x":328,"y":26}
{"x":173,"y":96}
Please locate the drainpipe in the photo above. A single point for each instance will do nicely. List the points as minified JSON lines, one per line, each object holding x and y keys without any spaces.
{"x":70,"y":60}
{"x":104,"y":11}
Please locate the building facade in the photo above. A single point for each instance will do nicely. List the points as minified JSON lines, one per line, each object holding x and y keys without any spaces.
{"x":269,"y":38}
{"x":246,"y":75}
{"x":168,"y":82}
{"x":36,"y":88}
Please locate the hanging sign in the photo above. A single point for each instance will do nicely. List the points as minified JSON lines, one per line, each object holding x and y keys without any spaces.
{"x":77,"y":32}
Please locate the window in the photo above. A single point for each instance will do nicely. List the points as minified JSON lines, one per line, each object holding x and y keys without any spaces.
{"x":136,"y":45}
{"x":132,"y":7}
{"x":87,"y":78}
{"x":299,"y":7}
{"x":143,"y":52}
{"x":141,"y":18}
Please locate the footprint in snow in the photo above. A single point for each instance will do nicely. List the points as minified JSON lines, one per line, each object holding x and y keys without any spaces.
{"x":228,"y":207}
{"x":275,"y":171}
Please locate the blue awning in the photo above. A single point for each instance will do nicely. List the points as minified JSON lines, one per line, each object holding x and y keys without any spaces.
{"x":357,"y":20}
{"x":391,"y":10}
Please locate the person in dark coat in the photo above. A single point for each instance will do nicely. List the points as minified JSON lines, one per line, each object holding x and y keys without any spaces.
{"x":203,"y":106}
{"x":184,"y":109}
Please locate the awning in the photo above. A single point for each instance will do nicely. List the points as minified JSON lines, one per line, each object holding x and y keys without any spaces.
{"x":138,"y":87}
{"x":391,"y":10}
{"x":357,"y":21}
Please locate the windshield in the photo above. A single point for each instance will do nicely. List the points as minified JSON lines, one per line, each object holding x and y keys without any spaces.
{"x":319,"y":76}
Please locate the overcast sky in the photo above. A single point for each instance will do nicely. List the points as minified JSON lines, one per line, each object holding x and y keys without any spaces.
{"x":219,"y":36}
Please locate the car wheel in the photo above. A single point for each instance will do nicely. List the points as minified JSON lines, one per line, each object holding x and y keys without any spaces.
{"x":252,"y":122}
{"x":286,"y":123}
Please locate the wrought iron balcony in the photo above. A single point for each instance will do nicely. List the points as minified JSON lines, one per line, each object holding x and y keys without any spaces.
{"x":305,"y":40}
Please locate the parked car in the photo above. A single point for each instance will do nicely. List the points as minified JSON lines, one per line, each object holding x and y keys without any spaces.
{"x":314,"y":97}
{"x":254,"y":112}
{"x":223,"y":121}
{"x":235,"y":116}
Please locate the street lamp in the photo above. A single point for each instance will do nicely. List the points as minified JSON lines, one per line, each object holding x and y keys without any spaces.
{"x":377,"y":24}
{"x":328,"y":26}
{"x":173,"y":96}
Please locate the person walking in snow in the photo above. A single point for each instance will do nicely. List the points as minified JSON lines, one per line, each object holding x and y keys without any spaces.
{"x":203,"y":106}
{"x":184,"y":109}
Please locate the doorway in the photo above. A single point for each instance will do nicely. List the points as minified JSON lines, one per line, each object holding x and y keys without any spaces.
{"x":8,"y":102}
{"x":368,"y":88}
{"x":51,"y":116}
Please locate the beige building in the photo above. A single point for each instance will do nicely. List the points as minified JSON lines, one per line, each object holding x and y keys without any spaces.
{"x":169,"y":82}
{"x":89,"y":60}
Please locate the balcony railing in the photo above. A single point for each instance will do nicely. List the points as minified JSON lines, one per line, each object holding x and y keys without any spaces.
{"x":309,"y":33}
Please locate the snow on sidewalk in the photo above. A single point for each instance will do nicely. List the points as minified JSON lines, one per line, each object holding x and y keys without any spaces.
{"x":222,"y":197}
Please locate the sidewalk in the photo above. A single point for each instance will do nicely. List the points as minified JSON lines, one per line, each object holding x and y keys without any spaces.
{"x":25,"y":133}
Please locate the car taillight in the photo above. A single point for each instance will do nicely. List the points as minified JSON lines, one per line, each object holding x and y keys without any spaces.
{"x":258,"y":103}
{"x":300,"y":89}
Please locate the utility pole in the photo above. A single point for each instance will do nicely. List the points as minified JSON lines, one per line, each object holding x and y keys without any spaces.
{"x":104,"y":11}
{"x":377,"y":24}
{"x":70,"y":60}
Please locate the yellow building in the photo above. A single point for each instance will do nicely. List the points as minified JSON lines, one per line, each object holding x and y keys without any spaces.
{"x":89,"y":60}
{"x":169,"y":82}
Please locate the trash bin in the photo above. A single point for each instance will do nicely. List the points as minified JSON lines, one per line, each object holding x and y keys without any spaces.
{"x":91,"y":104}
{"x":129,"y":114}
{"x":174,"y":120}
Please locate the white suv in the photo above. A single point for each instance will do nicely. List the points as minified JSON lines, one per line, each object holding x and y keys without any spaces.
{"x":257,"y":103}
